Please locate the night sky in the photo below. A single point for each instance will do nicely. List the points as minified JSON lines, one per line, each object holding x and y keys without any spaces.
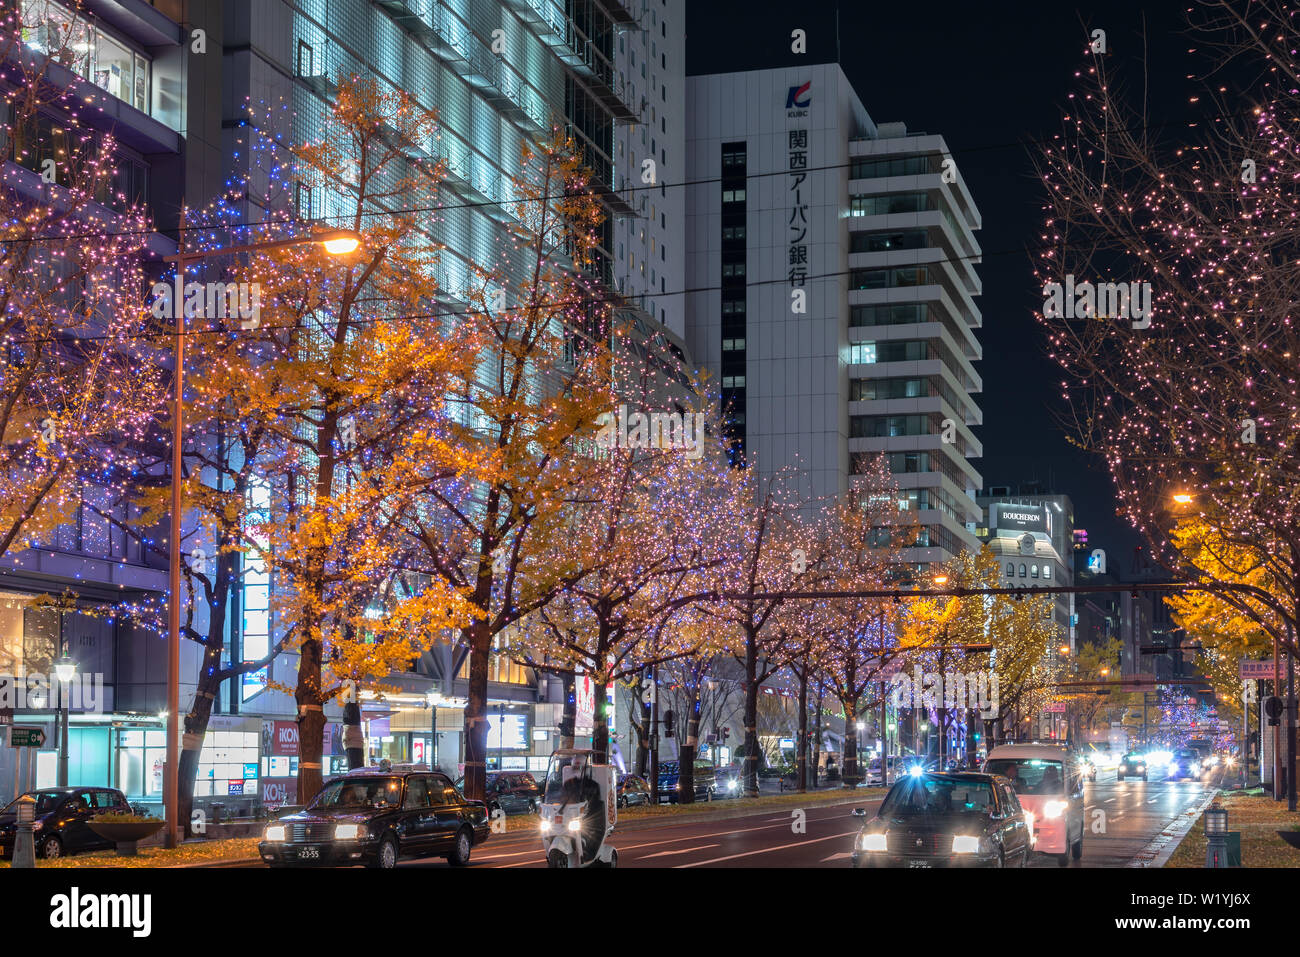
{"x":991,"y":79}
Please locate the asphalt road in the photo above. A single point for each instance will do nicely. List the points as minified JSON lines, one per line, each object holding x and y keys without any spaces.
{"x":1126,"y":824}
{"x":1122,"y":820}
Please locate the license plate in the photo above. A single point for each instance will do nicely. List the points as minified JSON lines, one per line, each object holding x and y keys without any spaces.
{"x":309,"y":853}
{"x":918,"y":863}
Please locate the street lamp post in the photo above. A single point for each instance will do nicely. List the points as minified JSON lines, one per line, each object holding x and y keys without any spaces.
{"x":64,"y":671}
{"x":337,"y":242}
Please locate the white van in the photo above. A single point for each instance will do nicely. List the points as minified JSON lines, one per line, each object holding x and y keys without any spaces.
{"x":1049,"y":783}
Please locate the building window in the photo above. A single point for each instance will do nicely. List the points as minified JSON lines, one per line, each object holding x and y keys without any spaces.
{"x":902,"y":276}
{"x":1022,"y":571}
{"x":898,"y":166}
{"x":1011,"y":569}
{"x":91,"y":53}
{"x":862,"y":353}
{"x":1047,"y":571}
{"x":889,"y":203}
{"x":733,"y":381}
{"x":733,"y":195}
{"x":895,"y":314}
{"x":1033,"y":571}
{"x":887,"y":242}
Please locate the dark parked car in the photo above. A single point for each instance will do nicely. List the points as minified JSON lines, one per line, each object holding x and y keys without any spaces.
{"x":62,"y":815}
{"x":1132,"y":765}
{"x":670,"y":774}
{"x":515,"y":792}
{"x":954,"y":819}
{"x":633,"y":790}
{"x":374,"y":816}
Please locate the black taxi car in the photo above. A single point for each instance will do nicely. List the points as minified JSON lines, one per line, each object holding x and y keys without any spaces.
{"x":952,"y":819}
{"x":62,"y":820}
{"x":376,"y":815}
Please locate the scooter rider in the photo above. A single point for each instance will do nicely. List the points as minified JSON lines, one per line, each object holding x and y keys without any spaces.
{"x":579,"y":788}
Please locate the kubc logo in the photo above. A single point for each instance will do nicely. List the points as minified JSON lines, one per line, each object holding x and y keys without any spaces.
{"x":799,"y":97}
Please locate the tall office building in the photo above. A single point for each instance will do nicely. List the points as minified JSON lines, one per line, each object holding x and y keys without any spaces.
{"x":498,"y":74}
{"x":649,"y":245}
{"x":1032,"y":535}
{"x":835,"y":262}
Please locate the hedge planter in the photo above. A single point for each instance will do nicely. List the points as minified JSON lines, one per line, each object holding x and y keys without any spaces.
{"x":126,"y":834}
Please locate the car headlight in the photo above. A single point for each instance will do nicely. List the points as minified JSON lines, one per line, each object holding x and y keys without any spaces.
{"x":350,"y":832}
{"x":37,"y":825}
{"x":1142,"y":767}
{"x":546,"y":826}
{"x":732,"y":785}
{"x":275,"y":832}
{"x":1054,"y":809}
{"x":873,"y":842}
{"x":576,"y":824}
{"x":965,"y":844}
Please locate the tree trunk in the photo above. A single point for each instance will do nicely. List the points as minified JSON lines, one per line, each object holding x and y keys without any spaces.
{"x":600,"y":725}
{"x":751,"y":714}
{"x":686,"y":755}
{"x":569,"y":713}
{"x":311,"y":720}
{"x":817,"y":741}
{"x":642,"y":726}
{"x":801,"y":762}
{"x":476,"y":723}
{"x":206,"y":690}
{"x":850,"y":773}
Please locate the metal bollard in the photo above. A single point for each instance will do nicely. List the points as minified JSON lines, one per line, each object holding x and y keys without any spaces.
{"x":24,"y":840}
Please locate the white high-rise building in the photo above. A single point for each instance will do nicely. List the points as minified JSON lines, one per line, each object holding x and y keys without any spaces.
{"x":649,"y":251}
{"x":835,"y":262}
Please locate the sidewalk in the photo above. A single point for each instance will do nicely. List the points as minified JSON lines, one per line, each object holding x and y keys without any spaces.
{"x":1259,"y":819}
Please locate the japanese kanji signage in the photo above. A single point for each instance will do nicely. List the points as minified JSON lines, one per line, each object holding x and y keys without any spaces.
{"x":798,"y":236}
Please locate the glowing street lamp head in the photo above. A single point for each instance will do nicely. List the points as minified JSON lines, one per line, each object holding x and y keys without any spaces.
{"x":340,"y":242}
{"x":65,"y":669}
{"x":941,"y":579}
{"x":1183,"y":498}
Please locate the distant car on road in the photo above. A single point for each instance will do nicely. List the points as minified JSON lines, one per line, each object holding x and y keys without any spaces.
{"x":1133,"y":764}
{"x":375,"y":816}
{"x":62,"y":820}
{"x":950,"y":819}
{"x":1185,"y":763}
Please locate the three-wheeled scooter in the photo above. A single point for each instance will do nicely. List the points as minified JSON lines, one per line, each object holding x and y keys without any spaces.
{"x":579,"y":810}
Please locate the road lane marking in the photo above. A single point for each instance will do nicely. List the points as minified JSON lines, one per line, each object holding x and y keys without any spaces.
{"x":684,"y":850}
{"x":1110,"y":800}
{"x":837,"y":857}
{"x":768,"y":850}
{"x":632,"y":847}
